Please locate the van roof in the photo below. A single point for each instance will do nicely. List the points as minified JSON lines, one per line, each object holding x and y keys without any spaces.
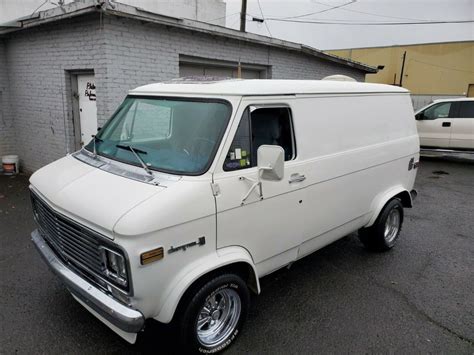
{"x":258,"y":87}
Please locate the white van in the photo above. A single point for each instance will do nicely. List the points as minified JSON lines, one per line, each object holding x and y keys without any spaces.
{"x":193,"y":191}
{"x":447,"y":124}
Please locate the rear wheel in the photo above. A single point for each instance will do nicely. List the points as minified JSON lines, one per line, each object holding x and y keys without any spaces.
{"x":384,"y":233}
{"x":214,"y":317}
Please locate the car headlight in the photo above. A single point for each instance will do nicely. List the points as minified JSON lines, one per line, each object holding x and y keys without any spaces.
{"x":115,"y":267}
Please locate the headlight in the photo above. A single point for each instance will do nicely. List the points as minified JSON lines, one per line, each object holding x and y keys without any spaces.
{"x":115,"y":267}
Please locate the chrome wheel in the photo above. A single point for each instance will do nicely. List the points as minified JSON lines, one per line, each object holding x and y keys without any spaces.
{"x":392,"y":225}
{"x":218,"y":317}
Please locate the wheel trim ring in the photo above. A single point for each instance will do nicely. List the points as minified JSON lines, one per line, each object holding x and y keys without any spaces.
{"x":392,"y":225}
{"x":212,"y":334}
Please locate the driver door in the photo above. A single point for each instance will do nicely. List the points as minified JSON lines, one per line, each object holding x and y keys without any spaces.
{"x":266,"y":226}
{"x":434,"y":125}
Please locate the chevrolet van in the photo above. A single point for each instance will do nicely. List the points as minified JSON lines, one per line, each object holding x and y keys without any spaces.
{"x":192,"y":191}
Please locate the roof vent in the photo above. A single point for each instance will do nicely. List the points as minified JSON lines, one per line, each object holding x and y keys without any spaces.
{"x":339,"y":77}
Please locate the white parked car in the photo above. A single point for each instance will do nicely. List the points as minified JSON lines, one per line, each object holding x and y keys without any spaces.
{"x":192,"y":192}
{"x":447,"y":124}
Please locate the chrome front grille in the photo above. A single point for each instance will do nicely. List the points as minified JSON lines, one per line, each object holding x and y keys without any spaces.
{"x":75,"y":244}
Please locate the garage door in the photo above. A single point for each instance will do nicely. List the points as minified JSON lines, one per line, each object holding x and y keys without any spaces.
{"x":216,"y":71}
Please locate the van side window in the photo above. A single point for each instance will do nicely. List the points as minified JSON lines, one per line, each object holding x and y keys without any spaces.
{"x":258,"y":126}
{"x":437,"y":111}
{"x":466,"y":109}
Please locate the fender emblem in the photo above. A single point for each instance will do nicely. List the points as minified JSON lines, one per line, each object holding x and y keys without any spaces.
{"x":200,"y":241}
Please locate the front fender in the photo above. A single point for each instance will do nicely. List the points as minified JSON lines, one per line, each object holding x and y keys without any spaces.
{"x":381,"y":200}
{"x":185,"y":278}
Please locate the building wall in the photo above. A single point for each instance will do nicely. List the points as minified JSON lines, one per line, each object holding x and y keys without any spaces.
{"x":155,"y":51}
{"x":7,"y":130}
{"x":123,"y":54}
{"x":38,"y":63}
{"x":430,"y":69}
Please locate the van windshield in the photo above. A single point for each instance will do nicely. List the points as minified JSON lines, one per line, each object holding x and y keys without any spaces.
{"x":173,"y":135}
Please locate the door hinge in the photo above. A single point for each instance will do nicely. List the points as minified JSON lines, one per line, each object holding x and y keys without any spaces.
{"x":216,"y":190}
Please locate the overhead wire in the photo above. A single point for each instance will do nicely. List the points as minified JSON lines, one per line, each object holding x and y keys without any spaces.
{"x":263,"y":17}
{"x":321,"y":11}
{"x":248,"y":15}
{"x":220,"y":18}
{"x":440,"y":66}
{"x":343,"y":8}
{"x":299,"y":18}
{"x":348,"y":23}
{"x":39,"y":7}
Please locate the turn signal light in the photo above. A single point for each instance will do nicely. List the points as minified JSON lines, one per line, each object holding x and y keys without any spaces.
{"x":151,"y":256}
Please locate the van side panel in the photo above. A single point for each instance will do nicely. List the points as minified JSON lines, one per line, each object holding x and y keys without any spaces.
{"x":352,"y":150}
{"x":328,"y":125}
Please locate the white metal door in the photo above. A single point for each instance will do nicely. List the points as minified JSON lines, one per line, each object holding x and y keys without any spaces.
{"x":269,"y":227}
{"x":435,"y":127}
{"x":462,"y":133}
{"x":216,"y":71}
{"x":87,"y":107}
{"x":462,"y":130}
{"x":434,"y":133}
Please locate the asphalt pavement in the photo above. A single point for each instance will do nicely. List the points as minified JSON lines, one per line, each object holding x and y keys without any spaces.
{"x":416,"y":298}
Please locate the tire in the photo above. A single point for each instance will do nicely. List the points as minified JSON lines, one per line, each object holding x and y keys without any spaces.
{"x":384,"y":233}
{"x":214,"y":316}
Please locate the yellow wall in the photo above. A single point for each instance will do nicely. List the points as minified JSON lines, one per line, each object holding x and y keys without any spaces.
{"x":436,"y":69}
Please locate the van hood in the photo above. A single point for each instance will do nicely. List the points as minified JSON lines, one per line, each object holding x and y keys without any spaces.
{"x":91,"y":196}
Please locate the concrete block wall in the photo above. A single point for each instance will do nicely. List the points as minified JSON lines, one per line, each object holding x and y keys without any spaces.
{"x":38,"y":63}
{"x":123,"y":54}
{"x":292,"y":65}
{"x":7,"y":129}
{"x":141,"y":54}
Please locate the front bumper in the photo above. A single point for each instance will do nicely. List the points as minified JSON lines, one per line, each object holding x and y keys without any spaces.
{"x":127,"y":319}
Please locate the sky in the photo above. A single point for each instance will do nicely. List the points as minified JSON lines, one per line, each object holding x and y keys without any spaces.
{"x":338,"y":36}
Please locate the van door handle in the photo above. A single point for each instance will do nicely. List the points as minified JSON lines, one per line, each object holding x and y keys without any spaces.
{"x":446,"y":124}
{"x":296,"y":178}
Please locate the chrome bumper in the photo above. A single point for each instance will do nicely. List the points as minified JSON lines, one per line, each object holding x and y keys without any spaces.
{"x":121,"y":316}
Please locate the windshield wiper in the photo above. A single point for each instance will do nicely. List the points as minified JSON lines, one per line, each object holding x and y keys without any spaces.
{"x":135,"y":152}
{"x":94,"y":148}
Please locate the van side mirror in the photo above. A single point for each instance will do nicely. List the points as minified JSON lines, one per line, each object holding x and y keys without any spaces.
{"x":271,"y":162}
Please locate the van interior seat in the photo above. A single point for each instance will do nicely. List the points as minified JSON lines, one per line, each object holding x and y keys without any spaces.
{"x":265,"y":130}
{"x":271,"y":126}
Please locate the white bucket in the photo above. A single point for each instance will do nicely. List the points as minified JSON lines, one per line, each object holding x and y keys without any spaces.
{"x":10,"y":164}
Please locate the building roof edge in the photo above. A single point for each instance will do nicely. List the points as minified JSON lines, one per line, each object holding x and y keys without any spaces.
{"x":83,"y":7}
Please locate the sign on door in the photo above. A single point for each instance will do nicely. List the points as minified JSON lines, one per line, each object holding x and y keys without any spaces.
{"x":87,"y":107}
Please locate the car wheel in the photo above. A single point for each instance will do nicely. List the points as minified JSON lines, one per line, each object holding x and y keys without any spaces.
{"x":384,"y":233}
{"x":215,"y":315}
